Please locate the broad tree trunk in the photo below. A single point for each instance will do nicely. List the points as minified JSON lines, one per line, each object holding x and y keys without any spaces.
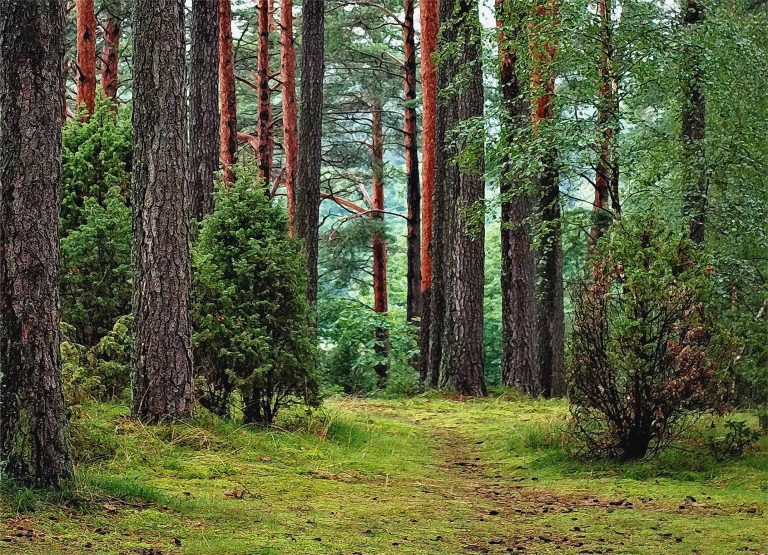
{"x":290,"y":110}
{"x":228,"y":100}
{"x":550,"y":319}
{"x":694,"y":127}
{"x":162,"y":384}
{"x":204,"y":105}
{"x":462,"y":360}
{"x":379,"y":240}
{"x":34,"y":443}
{"x":411,"y":143}
{"x":307,"y":193}
{"x":518,"y":265}
{"x":265,"y":110}
{"x":86,"y":55}
{"x":111,"y":51}
{"x":428,"y":17}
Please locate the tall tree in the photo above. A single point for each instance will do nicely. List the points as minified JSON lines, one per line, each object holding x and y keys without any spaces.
{"x":111,"y":49}
{"x":290,"y":109}
{"x":518,"y":266}
{"x":204,"y":105}
{"x":428,"y":18}
{"x":228,"y":122}
{"x":86,"y":55}
{"x":265,"y":93}
{"x":162,"y":384}
{"x":694,"y":125}
{"x":459,"y":184}
{"x":413,"y":239}
{"x":550,"y":317}
{"x":380,"y":302}
{"x":307,"y":193}
{"x":34,"y":443}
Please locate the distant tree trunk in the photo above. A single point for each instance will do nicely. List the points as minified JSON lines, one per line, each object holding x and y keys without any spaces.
{"x":204,"y":105}
{"x":518,"y":265}
{"x":694,"y":128}
{"x":265,"y":109}
{"x":428,"y":17}
{"x":162,"y":384}
{"x":550,"y":318}
{"x":379,"y":241}
{"x":413,"y":301}
{"x":462,"y":360}
{"x":34,"y":443}
{"x":86,"y":55}
{"x":606,"y":204}
{"x":111,"y":50}
{"x":228,"y":124}
{"x":307,"y":193}
{"x":290,"y":110}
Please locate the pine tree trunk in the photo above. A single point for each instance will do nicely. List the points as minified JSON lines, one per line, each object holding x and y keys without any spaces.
{"x":228,"y":100}
{"x":550,"y":319}
{"x":379,"y":241}
{"x":694,"y":128}
{"x":111,"y":51}
{"x":204,"y":105}
{"x":411,"y":143}
{"x":265,"y":110}
{"x":162,"y":382}
{"x":86,"y":55}
{"x":34,"y":443}
{"x":462,"y":360}
{"x":518,"y":266}
{"x":307,"y":193}
{"x":290,"y":110}
{"x":428,"y":18}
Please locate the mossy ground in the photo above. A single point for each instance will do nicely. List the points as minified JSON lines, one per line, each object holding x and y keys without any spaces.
{"x":428,"y":475}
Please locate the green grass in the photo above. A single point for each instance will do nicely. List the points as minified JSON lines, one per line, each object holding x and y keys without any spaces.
{"x":426,"y":475}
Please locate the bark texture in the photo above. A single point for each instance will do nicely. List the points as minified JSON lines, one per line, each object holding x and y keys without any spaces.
{"x":380,"y":301}
{"x":162,"y":382}
{"x":428,"y":18}
{"x":519,"y":367}
{"x":307,"y":193}
{"x":290,"y":108}
{"x":265,"y":93}
{"x":34,"y":444}
{"x":204,"y":105}
{"x":459,"y":243}
{"x":111,"y":50}
{"x":228,"y":100}
{"x":86,"y":55}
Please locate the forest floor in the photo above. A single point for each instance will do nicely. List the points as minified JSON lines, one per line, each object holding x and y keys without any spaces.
{"x":423,"y":476}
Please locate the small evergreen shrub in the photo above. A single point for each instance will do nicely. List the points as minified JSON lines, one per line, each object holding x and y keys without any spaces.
{"x":253,"y":324}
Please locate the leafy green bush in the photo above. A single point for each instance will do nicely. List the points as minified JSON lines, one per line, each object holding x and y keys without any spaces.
{"x":253,"y":330}
{"x":739,"y":437}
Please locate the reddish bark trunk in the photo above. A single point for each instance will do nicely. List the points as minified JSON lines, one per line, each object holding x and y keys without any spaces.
{"x":228,"y":122}
{"x":428,"y":18}
{"x":265,"y":111}
{"x":379,"y":240}
{"x":86,"y":55}
{"x":111,"y":51}
{"x":290,"y":108}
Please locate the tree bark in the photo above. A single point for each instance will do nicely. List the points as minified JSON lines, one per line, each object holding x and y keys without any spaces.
{"x":411,"y":143}
{"x":428,"y":16}
{"x":86,"y":56}
{"x":307,"y":193}
{"x":550,"y":318}
{"x":34,"y":443}
{"x":111,"y":51}
{"x":462,"y":360}
{"x":379,"y":241}
{"x":518,"y":266}
{"x":204,"y":105}
{"x":694,"y":128}
{"x":228,"y":100}
{"x":162,"y":382}
{"x":265,"y":93}
{"x":290,"y":110}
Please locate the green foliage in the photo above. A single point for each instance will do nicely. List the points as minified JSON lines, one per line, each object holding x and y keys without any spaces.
{"x":739,"y":437}
{"x":252,"y":320}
